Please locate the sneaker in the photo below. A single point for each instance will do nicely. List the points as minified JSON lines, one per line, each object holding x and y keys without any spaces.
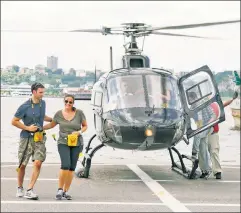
{"x":20,"y":192}
{"x":218,"y":175}
{"x":31,"y":195}
{"x":67,"y":196}
{"x":206,"y":174}
{"x":59,"y":194}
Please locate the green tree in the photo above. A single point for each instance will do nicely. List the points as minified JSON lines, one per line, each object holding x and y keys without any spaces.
{"x":59,"y":72}
{"x":48,"y":70}
{"x":72,"y":71}
{"x":15,"y":68}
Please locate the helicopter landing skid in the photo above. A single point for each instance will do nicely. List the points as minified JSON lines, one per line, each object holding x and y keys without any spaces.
{"x":86,"y":163}
{"x":181,"y":169}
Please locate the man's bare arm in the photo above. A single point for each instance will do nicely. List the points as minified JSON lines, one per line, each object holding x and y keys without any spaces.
{"x":235,"y":95}
{"x":226,"y":103}
{"x":167,"y":96}
{"x":16,"y":122}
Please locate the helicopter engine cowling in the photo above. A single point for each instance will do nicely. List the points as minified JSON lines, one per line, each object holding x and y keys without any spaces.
{"x":135,"y":61}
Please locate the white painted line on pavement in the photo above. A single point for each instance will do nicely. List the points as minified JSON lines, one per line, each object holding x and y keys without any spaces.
{"x":136,"y":180}
{"x":113,"y":164}
{"x":80,"y":202}
{"x":172,"y":203}
{"x":56,"y":179}
{"x":39,"y":179}
{"x":231,"y":167}
{"x":113,"y":203}
{"x":213,"y":204}
{"x":92,"y":164}
{"x":121,"y":180}
{"x":29,"y":165}
{"x":227,"y":181}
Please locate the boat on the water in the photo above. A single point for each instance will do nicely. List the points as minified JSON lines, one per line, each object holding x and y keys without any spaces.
{"x":79,"y":93}
{"x":21,"y":90}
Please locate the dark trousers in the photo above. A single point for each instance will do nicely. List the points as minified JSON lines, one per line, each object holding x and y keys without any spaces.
{"x":69,"y":156}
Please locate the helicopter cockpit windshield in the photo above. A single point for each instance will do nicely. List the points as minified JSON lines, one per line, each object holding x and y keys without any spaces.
{"x":143,"y":91}
{"x":127,"y":92}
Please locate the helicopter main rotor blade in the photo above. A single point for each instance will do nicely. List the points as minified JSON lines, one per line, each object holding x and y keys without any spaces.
{"x":36,"y":31}
{"x":182,"y":35}
{"x":88,"y":30}
{"x":105,"y":32}
{"x":193,"y":25}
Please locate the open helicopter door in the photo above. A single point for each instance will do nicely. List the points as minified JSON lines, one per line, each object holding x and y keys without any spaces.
{"x":201,"y":100}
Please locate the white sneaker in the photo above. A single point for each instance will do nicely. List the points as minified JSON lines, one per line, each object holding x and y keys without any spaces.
{"x":59,"y":194}
{"x":31,"y":195}
{"x":20,"y":192}
{"x":67,"y":196}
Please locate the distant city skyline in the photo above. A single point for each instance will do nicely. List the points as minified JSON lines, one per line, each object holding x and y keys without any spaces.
{"x":85,"y":51}
{"x":46,"y":66}
{"x":52,"y":62}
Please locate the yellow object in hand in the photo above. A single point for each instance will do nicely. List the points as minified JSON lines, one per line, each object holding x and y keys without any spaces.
{"x":164,"y":105}
{"x":38,"y":136}
{"x":54,"y":136}
{"x":72,"y":140}
{"x":199,"y":123}
{"x":80,"y":154}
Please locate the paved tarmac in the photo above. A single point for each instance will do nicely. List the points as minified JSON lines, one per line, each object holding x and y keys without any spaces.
{"x":126,"y":181}
{"x":125,"y":188}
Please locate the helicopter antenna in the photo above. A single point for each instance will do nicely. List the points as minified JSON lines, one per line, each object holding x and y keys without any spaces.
{"x":95,"y":73}
{"x":111,"y":59}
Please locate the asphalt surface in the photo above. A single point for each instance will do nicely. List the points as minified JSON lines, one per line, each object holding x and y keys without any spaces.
{"x":125,"y":188}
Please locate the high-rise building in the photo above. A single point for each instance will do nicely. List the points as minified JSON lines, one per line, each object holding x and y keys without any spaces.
{"x":52,"y":62}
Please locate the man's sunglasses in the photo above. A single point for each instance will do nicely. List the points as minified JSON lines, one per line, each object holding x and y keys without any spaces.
{"x":70,"y":102}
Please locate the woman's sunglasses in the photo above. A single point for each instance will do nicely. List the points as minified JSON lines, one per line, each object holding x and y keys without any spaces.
{"x":70,"y":102}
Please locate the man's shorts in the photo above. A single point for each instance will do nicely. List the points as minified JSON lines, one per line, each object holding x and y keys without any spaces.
{"x":35,"y":149}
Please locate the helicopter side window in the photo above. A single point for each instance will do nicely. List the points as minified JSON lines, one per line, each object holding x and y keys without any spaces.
{"x":112,"y":97}
{"x":98,"y":99}
{"x":98,"y":123}
{"x":93,"y":98}
{"x":205,"y":116}
{"x":201,"y":89}
{"x":200,"y":84}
